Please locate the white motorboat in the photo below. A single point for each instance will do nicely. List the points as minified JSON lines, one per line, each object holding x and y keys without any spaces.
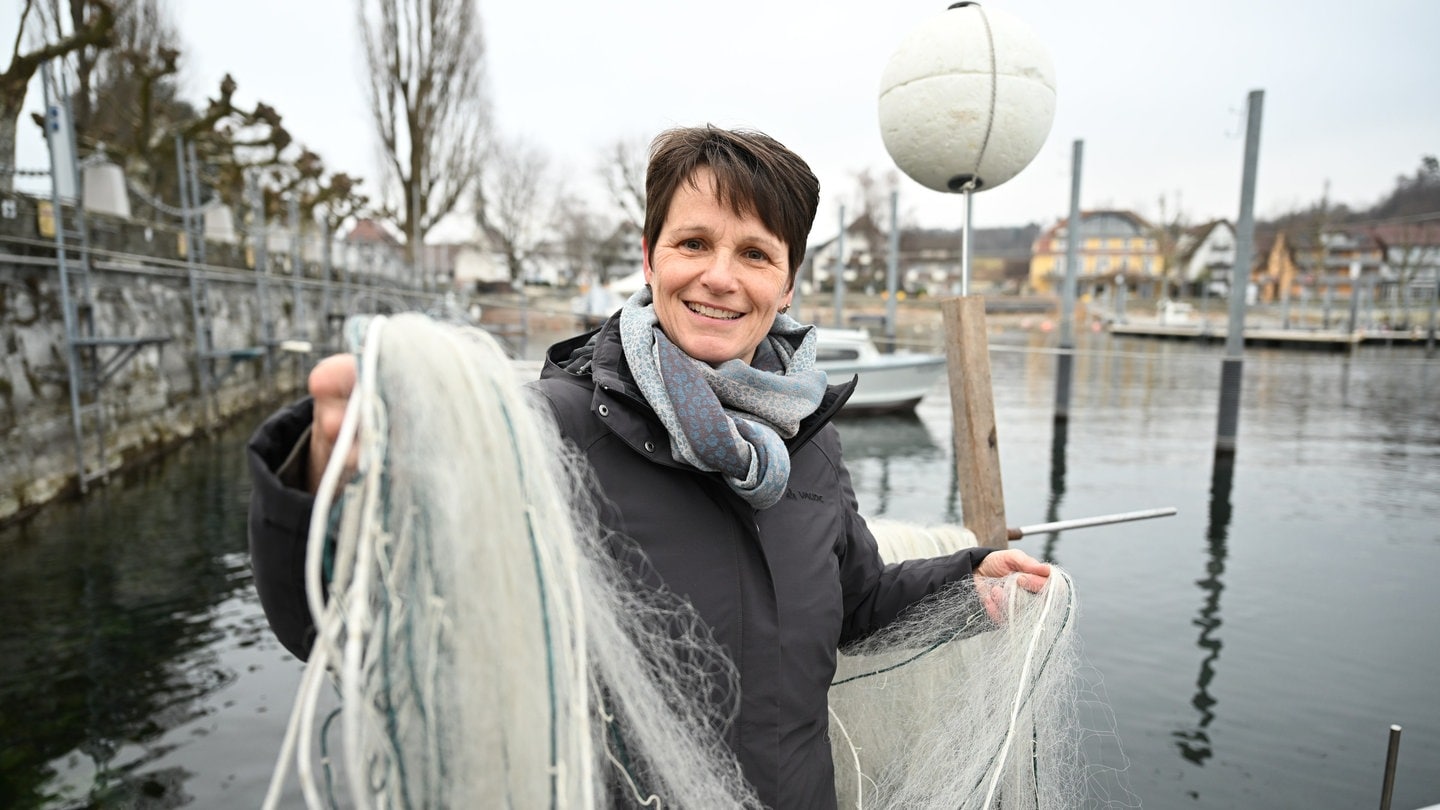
{"x":888,"y":382}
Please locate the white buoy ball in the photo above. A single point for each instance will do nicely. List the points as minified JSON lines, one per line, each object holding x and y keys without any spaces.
{"x":970,"y":93}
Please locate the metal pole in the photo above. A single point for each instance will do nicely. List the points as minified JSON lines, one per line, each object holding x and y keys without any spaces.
{"x":415,"y":266}
{"x":965,"y":245}
{"x":1072,"y":252}
{"x":67,"y":307}
{"x":1085,"y":523}
{"x":260,"y":237}
{"x":892,"y":269}
{"x":1354,"y":295}
{"x":838,"y":279}
{"x":1245,"y":230}
{"x":1232,"y":365}
{"x":1285,"y":306}
{"x":200,"y":310}
{"x":197,"y":216}
{"x":1392,"y":755}
{"x":327,"y":294}
{"x":1327,"y":302}
{"x":297,"y":258}
{"x":1066,"y":359}
{"x":1434,"y":306}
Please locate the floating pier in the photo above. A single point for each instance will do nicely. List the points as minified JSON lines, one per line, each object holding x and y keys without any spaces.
{"x":1254,"y":336}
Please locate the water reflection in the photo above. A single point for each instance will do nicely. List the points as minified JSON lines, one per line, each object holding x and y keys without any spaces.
{"x":890,"y":441}
{"x":1194,"y":743}
{"x":1058,"y":439}
{"x":103,"y":599}
{"x":888,"y":436}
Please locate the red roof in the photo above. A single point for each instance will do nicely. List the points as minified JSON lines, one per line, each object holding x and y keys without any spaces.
{"x":370,"y":231}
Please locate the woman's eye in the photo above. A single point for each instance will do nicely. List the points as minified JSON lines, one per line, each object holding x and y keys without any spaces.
{"x":756,"y":255}
{"x":691,"y":244}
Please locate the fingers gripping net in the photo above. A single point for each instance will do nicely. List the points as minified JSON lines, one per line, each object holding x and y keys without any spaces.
{"x":484,"y":646}
{"x":957,"y":705}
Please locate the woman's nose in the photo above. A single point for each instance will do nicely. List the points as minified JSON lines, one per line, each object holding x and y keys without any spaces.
{"x":720,"y":273}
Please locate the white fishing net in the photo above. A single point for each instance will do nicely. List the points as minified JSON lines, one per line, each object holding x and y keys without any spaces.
{"x":489,"y":649}
{"x":977,"y":698}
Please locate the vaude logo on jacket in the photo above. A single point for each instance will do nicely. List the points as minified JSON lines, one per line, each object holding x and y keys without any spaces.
{"x":795,"y":494}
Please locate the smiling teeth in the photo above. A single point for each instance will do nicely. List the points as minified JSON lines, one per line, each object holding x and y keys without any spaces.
{"x":711,"y":312}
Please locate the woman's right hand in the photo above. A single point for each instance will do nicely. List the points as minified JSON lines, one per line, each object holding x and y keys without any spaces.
{"x":331,"y":382}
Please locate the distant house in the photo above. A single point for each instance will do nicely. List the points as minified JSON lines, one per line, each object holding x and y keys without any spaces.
{"x":1411,"y":251}
{"x":478,"y":267}
{"x":371,"y":250}
{"x":1114,"y":245}
{"x":1275,"y":269}
{"x":928,"y":259}
{"x":864,"y":248}
{"x":619,"y":254}
{"x":372,"y":232}
{"x":1339,"y":258}
{"x":1205,"y":255}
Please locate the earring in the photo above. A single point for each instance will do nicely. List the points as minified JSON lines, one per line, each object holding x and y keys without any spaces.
{"x":784,"y":309}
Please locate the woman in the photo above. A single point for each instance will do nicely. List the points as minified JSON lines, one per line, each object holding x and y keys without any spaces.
{"x":708,"y":428}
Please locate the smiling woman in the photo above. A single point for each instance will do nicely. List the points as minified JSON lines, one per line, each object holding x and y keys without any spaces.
{"x":705,"y":432}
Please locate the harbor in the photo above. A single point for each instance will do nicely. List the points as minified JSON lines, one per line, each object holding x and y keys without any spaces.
{"x":1200,"y":443}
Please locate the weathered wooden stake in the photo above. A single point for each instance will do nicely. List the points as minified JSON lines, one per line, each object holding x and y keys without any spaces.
{"x":972,"y":404}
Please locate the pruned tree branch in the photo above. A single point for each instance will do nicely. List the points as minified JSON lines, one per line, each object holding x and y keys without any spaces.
{"x":13,"y":82}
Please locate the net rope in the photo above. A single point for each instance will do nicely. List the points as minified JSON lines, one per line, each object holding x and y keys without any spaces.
{"x":486,"y":645}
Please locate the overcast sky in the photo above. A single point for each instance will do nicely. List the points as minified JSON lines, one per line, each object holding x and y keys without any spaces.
{"x":1155,"y":89}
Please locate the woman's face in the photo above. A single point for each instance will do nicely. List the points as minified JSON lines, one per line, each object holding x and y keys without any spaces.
{"x":718,"y":278}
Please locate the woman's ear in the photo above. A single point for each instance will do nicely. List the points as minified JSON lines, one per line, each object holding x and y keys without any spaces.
{"x":645,"y":261}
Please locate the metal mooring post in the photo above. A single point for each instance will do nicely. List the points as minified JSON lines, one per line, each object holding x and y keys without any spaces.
{"x":1233,"y":364}
{"x":892,"y":271}
{"x":1067,"y":300}
{"x":838,"y":279}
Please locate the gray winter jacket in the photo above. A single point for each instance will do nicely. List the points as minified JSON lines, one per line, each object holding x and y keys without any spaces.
{"x":780,"y":588}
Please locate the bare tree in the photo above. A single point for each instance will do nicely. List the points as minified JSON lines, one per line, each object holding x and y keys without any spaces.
{"x":871,"y":221}
{"x":511,"y":201}
{"x":622,"y":168}
{"x":119,"y":88}
{"x":1166,"y":233}
{"x":95,"y":29}
{"x":578,"y":237}
{"x":428,"y":102}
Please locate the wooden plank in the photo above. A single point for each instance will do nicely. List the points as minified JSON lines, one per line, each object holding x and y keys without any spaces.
{"x":972,"y":403}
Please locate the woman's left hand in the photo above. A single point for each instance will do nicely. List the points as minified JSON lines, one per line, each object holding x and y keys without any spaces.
{"x":1000,"y":564}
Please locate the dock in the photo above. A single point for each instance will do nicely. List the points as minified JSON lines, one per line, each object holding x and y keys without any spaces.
{"x":1179,"y":321}
{"x":1331,"y":339}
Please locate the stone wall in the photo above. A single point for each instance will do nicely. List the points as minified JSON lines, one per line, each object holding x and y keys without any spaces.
{"x":143,"y":291}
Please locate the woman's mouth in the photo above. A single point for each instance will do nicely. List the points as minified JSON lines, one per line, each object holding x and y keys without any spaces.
{"x":712,"y":312}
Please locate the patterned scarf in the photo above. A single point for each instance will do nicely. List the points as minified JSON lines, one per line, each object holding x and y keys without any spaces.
{"x":733,"y":419}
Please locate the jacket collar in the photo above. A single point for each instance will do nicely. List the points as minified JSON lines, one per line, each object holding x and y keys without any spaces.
{"x":610,"y":373}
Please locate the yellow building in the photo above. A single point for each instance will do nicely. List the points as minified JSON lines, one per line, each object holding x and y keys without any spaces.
{"x":1114,"y":244}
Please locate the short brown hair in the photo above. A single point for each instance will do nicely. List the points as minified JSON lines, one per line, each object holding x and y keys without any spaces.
{"x":754,"y":173}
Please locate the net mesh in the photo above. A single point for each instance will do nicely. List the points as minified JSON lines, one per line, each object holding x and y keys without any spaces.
{"x":488,"y":646}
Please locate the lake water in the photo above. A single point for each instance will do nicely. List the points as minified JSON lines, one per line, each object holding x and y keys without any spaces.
{"x":1255,"y":648}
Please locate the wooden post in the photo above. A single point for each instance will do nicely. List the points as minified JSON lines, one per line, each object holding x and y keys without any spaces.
{"x":972,"y":404}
